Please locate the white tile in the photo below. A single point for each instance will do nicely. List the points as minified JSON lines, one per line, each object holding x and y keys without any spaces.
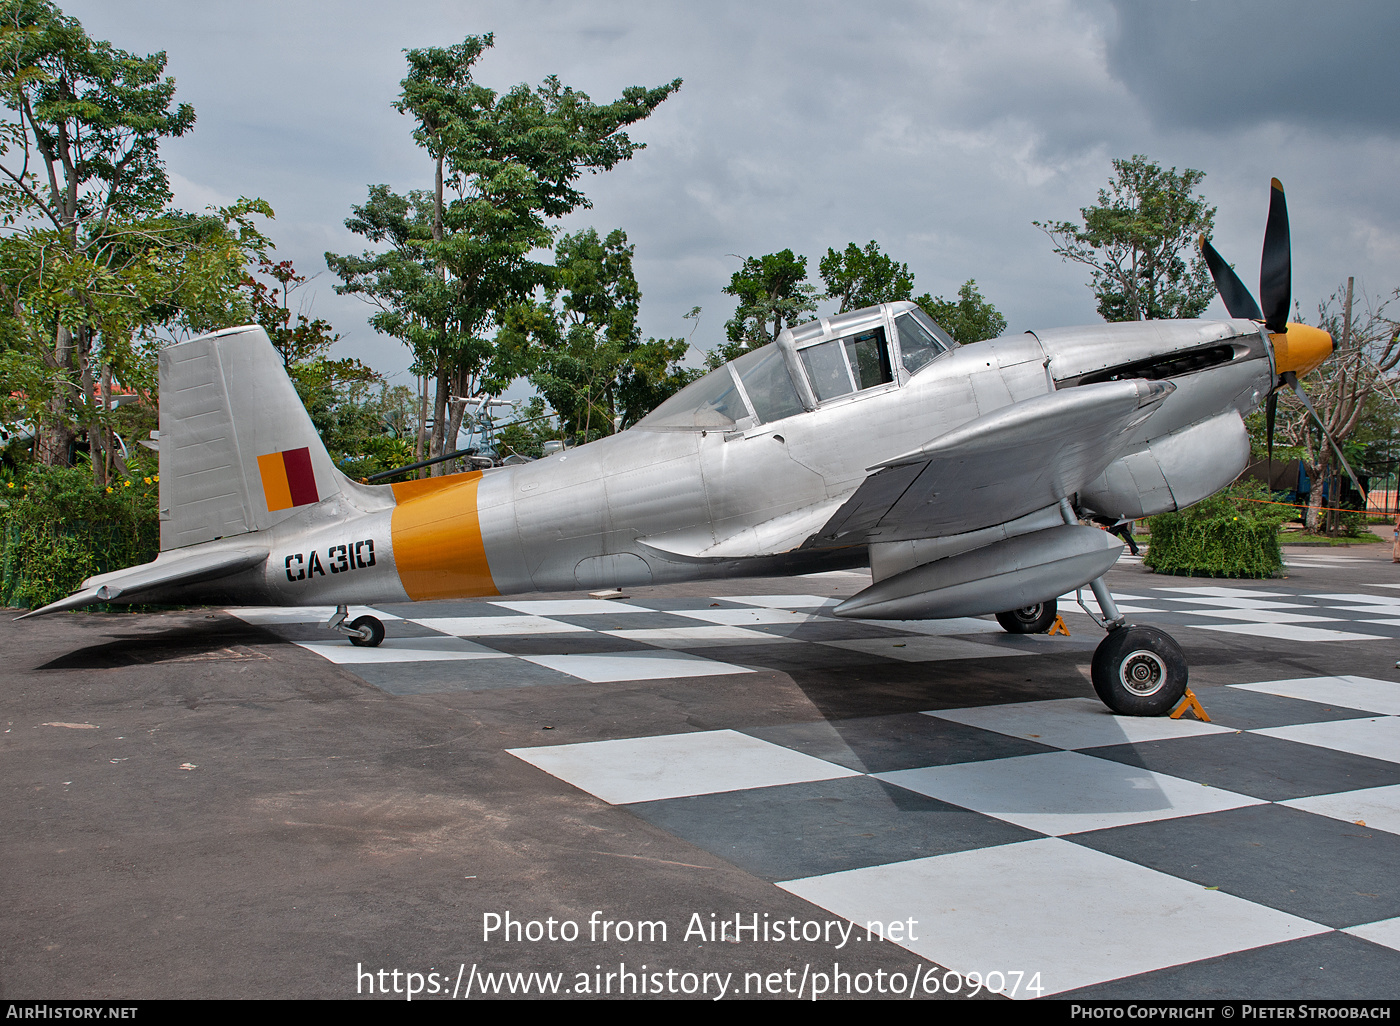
{"x":925,"y":650}
{"x":301,"y":614}
{"x":745,"y":617}
{"x":604,"y":667}
{"x":1260,"y":615}
{"x":1233,"y":603}
{"x":1286,"y":632}
{"x":1377,"y":738}
{"x":1386,"y":932}
{"x":1075,"y":916}
{"x":1074,"y":723}
{"x":838,"y":575}
{"x":785,"y":601}
{"x":1377,"y":807}
{"x":1384,"y":623}
{"x":696,"y":637}
{"x":1245,"y":593}
{"x":1348,"y":691}
{"x":499,"y":626}
{"x":402,"y":650}
{"x":571,"y":607}
{"x":643,"y":769}
{"x":1354,"y":597}
{"x":1065,"y":792}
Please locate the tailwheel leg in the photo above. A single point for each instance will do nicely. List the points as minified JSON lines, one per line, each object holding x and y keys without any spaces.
{"x":364,"y":631}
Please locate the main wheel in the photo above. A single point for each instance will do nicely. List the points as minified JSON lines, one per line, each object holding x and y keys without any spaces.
{"x":1139,"y":671}
{"x":371,"y":632}
{"x":1034,"y":619}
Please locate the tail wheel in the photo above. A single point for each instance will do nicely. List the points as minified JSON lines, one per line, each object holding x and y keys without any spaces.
{"x":1034,"y":619}
{"x":1139,"y":671}
{"x":369,"y":632}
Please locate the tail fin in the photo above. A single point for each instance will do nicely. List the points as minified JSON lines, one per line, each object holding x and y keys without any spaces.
{"x":238,"y":452}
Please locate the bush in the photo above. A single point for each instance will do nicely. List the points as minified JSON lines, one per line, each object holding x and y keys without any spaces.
{"x":59,"y":529}
{"x":1231,"y":534}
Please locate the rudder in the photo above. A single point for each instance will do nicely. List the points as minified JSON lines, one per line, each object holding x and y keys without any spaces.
{"x":238,"y":452}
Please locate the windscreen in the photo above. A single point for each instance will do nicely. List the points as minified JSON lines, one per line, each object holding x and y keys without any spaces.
{"x":766,"y":380}
{"x":712,"y":402}
{"x":920,"y":340}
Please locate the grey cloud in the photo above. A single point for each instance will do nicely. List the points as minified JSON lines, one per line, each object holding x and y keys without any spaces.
{"x":1227,"y":63}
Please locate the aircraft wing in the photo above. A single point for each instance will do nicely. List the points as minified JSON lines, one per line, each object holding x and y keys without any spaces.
{"x":998,"y":467}
{"x":188,"y":569}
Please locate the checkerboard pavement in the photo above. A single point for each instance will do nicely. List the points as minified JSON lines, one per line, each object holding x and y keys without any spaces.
{"x":1256,"y":855}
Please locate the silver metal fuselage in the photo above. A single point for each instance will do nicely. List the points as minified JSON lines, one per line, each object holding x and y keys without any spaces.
{"x":653,"y":506}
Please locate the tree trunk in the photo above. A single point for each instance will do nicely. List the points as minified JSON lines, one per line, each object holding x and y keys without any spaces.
{"x":422,"y":423}
{"x":55,"y":435}
{"x":439,"y":419}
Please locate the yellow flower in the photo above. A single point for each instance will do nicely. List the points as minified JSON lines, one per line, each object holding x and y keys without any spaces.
{"x":126,"y":484}
{"x":109,"y":491}
{"x":155,"y":477}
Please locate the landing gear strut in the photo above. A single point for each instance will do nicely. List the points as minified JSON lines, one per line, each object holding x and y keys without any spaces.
{"x":1136,"y":671}
{"x":364,"y":631}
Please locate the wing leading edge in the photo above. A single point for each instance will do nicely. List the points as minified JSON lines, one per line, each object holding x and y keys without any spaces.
{"x":1010,"y":462}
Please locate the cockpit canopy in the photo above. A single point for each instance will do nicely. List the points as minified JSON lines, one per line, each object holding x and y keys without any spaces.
{"x":809,"y":365}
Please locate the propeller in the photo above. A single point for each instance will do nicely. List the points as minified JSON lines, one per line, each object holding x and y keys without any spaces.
{"x":1297,"y":347}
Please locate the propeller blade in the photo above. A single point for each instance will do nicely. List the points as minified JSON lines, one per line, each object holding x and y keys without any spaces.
{"x":1270,"y":409}
{"x":1292,"y":379}
{"x":1275,"y":266}
{"x":1232,"y":291}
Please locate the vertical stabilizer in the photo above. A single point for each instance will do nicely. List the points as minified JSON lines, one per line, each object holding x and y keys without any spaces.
{"x":238,"y":452}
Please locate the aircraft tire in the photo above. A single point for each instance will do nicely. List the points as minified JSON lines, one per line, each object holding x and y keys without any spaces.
{"x":1034,"y":619}
{"x":374,"y":628}
{"x":1139,"y":671}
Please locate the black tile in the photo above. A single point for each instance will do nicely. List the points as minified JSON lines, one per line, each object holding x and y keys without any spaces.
{"x":879,"y":744}
{"x":625,"y":621}
{"x":438,"y":677}
{"x":1254,"y":710}
{"x":1322,"y":869}
{"x":579,"y":643}
{"x":1325,"y":967}
{"x":1253,"y":764}
{"x":782,"y":833}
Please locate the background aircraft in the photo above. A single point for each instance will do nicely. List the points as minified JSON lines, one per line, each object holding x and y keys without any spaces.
{"x":957,"y":473}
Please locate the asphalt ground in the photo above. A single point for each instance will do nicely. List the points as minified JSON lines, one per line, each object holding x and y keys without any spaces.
{"x":193,"y":806}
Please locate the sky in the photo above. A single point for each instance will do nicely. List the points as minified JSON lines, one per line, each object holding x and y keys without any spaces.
{"x":942,"y":130}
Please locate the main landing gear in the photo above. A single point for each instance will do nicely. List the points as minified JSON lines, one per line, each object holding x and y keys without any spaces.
{"x":1136,"y":671}
{"x":364,"y":631}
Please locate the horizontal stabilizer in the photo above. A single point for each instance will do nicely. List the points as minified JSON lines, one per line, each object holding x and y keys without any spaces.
{"x":1010,"y":462}
{"x":130,"y":585}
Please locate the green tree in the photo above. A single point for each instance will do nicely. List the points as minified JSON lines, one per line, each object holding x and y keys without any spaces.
{"x":864,"y":277}
{"x":109,"y":298}
{"x":1134,"y":240}
{"x":969,"y":318}
{"x":773,"y":293}
{"x":456,"y":265}
{"x":581,"y":347}
{"x":81,"y":157}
